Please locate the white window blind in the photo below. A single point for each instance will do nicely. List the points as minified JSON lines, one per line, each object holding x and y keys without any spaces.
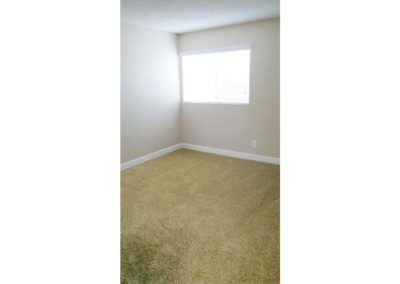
{"x":218,"y":77}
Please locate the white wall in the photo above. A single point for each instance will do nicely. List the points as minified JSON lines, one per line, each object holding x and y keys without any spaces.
{"x":233,"y":127}
{"x":150,"y":95}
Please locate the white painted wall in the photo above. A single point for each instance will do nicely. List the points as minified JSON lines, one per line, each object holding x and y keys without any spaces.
{"x":233,"y":127}
{"x":150,"y":95}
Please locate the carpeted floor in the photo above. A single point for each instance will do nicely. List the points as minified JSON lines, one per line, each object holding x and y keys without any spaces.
{"x":191,"y":217}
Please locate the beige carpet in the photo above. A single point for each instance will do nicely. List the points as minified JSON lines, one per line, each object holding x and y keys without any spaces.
{"x":191,"y":217}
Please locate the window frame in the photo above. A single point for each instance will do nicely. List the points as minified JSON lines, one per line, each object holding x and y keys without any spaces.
{"x":215,"y":50}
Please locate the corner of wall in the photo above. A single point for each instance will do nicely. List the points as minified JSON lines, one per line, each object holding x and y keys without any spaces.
{"x":178,"y":36}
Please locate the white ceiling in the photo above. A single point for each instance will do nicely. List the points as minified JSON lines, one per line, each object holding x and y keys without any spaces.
{"x":180,"y":16}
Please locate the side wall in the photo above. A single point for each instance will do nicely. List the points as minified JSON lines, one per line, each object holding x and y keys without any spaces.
{"x":150,"y":94}
{"x":233,"y":127}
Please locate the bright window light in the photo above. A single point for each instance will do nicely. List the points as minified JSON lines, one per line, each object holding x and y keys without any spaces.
{"x":220,"y":77}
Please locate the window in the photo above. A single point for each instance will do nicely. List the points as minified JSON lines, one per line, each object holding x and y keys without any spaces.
{"x":219,"y":77}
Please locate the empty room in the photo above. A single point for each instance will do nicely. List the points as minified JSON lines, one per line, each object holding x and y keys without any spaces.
{"x":199,"y":141}
{"x":200,"y":174}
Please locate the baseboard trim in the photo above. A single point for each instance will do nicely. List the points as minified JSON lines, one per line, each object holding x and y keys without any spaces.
{"x":211,"y":150}
{"x":234,"y":154}
{"x":149,"y":157}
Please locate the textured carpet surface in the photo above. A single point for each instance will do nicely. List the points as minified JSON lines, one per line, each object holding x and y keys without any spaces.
{"x":191,"y":217}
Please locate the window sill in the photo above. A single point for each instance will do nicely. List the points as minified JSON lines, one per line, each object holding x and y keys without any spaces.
{"x":217,"y":103}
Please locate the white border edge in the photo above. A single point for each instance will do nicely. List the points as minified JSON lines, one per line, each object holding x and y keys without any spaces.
{"x":233,"y":154}
{"x":205,"y":149}
{"x":149,"y":157}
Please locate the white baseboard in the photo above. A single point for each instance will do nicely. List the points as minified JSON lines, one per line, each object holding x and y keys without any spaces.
{"x":150,"y":156}
{"x":211,"y":150}
{"x":234,"y":154}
